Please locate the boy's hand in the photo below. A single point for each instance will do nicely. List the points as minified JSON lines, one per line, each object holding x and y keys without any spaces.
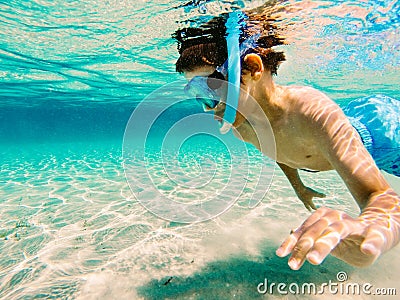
{"x":355,"y":241}
{"x":306,"y":195}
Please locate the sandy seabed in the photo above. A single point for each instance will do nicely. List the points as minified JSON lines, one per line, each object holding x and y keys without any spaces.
{"x":71,"y":228}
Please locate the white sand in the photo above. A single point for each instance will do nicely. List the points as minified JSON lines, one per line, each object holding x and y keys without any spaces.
{"x":72,"y":228}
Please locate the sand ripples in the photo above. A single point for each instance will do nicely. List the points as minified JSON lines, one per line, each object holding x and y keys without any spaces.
{"x":71,"y":227}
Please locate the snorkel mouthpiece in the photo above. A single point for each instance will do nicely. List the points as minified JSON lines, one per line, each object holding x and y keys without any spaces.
{"x":207,"y":103}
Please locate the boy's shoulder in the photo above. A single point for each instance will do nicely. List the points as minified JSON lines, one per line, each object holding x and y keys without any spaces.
{"x":305,"y":93}
{"x":309,"y":104}
{"x":297,"y":96}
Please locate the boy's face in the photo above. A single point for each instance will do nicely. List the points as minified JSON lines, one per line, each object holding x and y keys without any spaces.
{"x":246,"y":106}
{"x":221,"y":91}
{"x":206,"y":71}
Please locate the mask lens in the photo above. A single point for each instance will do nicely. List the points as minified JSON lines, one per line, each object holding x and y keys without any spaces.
{"x":199,"y":89}
{"x":214,"y":81}
{"x":204,"y":89}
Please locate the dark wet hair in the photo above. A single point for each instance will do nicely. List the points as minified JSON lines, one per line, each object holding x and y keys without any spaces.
{"x":206,"y":45}
{"x":202,"y":46}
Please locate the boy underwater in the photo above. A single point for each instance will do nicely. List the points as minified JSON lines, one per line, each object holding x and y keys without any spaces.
{"x":310,"y":131}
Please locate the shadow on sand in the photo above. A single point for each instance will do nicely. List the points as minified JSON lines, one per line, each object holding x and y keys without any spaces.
{"x":238,"y":277}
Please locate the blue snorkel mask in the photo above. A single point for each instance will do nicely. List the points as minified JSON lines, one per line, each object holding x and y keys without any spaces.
{"x":205,"y":89}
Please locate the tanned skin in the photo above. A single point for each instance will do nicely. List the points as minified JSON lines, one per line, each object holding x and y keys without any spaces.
{"x":312,"y":132}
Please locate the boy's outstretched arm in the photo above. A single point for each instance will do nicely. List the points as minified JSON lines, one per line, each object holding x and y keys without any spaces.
{"x":357,"y":241}
{"x":304,"y":193}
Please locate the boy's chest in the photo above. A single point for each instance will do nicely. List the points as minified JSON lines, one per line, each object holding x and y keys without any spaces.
{"x":286,"y":143}
{"x":298,"y":148}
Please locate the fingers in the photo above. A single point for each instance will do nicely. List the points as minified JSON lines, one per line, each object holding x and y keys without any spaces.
{"x":305,"y":243}
{"x":288,"y":245}
{"x":327,"y":232}
{"x":323,"y":246}
{"x":311,"y":205}
{"x":307,"y":197}
{"x":317,"y":195}
{"x":317,"y":237}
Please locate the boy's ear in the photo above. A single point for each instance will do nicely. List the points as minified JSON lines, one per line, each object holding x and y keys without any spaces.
{"x":253,"y":63}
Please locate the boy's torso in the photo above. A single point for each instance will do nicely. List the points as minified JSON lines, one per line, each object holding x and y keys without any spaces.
{"x":298,"y":143}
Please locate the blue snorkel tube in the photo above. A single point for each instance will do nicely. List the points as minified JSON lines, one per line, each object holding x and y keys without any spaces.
{"x":232,"y":39}
{"x":198,"y":86}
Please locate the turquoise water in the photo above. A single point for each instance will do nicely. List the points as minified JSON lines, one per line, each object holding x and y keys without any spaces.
{"x":72,"y":227}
